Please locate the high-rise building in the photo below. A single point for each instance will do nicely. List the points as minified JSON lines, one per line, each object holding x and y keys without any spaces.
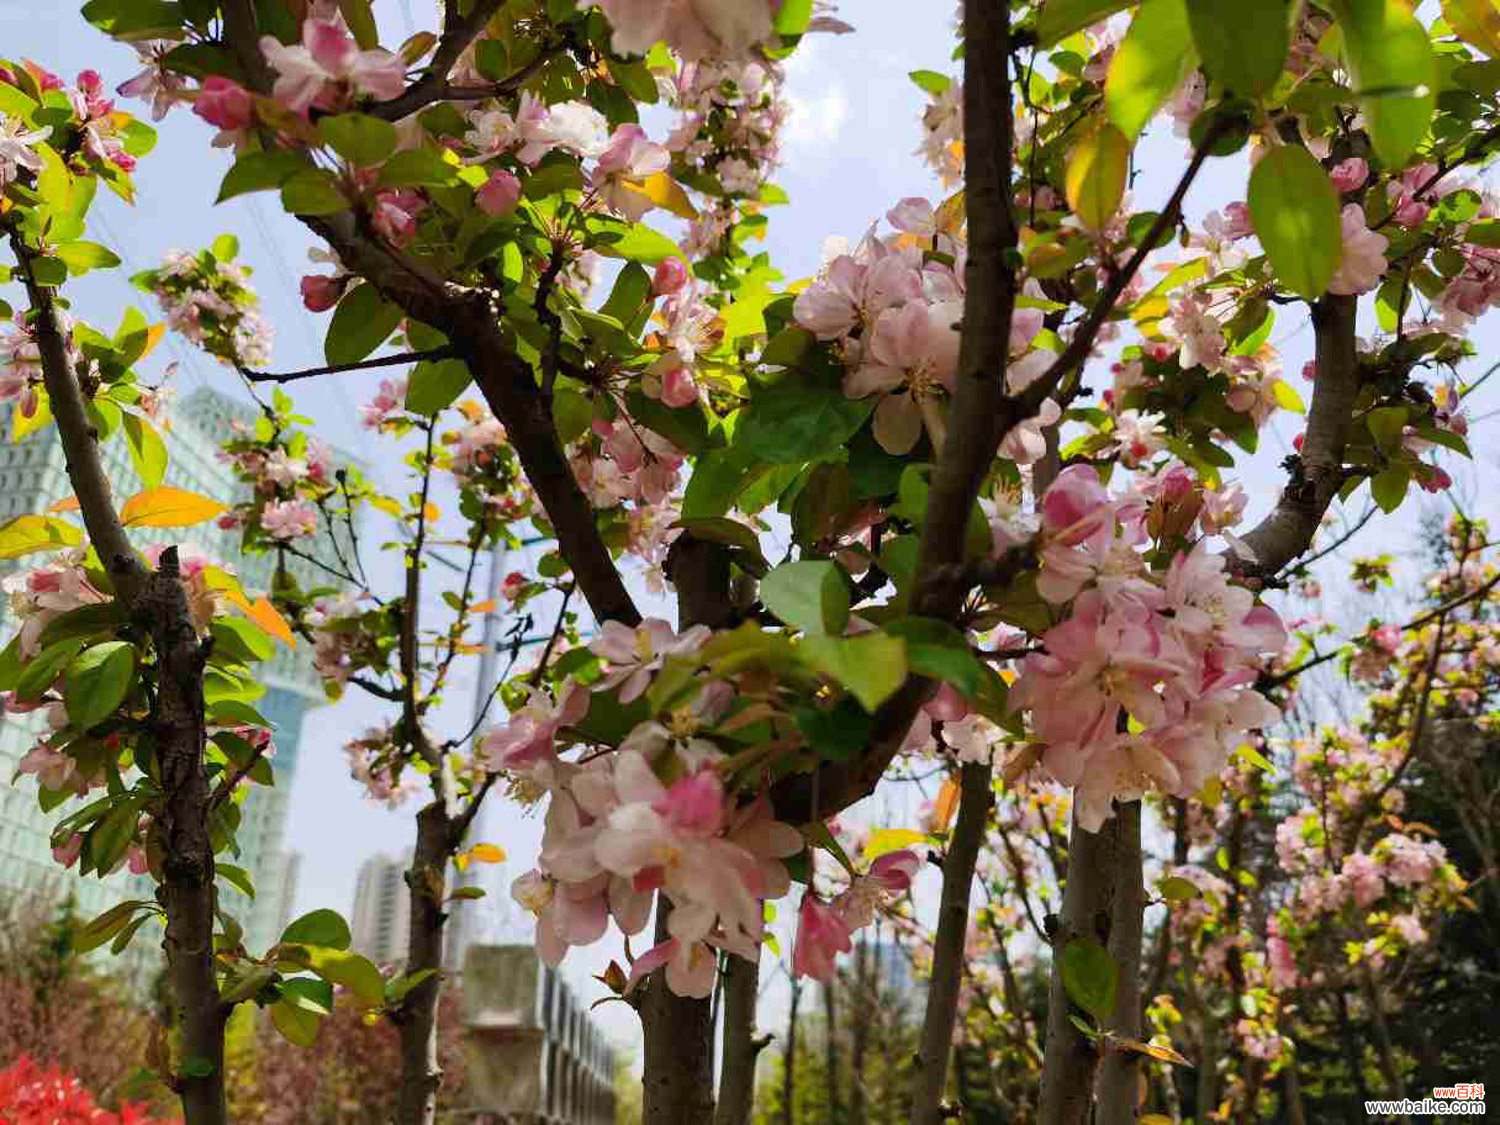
{"x":382,"y":909}
{"x":32,"y":476}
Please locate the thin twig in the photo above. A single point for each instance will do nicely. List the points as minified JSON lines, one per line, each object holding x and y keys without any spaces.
{"x":404,"y":358}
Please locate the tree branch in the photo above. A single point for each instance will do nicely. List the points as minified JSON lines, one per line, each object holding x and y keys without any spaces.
{"x":1288,"y":529}
{"x":338,"y":368}
{"x":458,"y":32}
{"x":936,"y":1044}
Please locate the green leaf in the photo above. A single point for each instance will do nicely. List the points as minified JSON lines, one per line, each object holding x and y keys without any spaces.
{"x":836,"y":734}
{"x":1392,"y":63}
{"x":938,"y":651}
{"x":931,"y":81}
{"x":360,"y":17}
{"x":436,"y":384}
{"x":1174,"y":888}
{"x":417,"y":167}
{"x":313,"y":191}
{"x":236,"y":877}
{"x":25,"y":535}
{"x":297,"y":1025}
{"x":1242,"y":45}
{"x":793,"y":17}
{"x":1094,"y":180}
{"x":1091,"y":978}
{"x":39,"y":673}
{"x":96,"y":682}
{"x":360,"y":139}
{"x":352,"y":971}
{"x":640,"y":243}
{"x":810,"y":595}
{"x":324,"y":928}
{"x":1149,"y":64}
{"x":632,"y":289}
{"x":1295,"y":209}
{"x":260,"y":171}
{"x":225,"y":248}
{"x":1388,"y":487}
{"x":1061,"y":18}
{"x":136,"y":19}
{"x":1386,"y":424}
{"x":80,"y":257}
{"x":872,"y":666}
{"x":148,"y":453}
{"x":363,"y":321}
{"x":99,"y":930}
{"x":789,"y":427}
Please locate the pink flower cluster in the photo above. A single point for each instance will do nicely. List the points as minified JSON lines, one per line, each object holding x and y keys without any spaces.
{"x":326,"y":70}
{"x":211,"y":304}
{"x":692,"y":28}
{"x":1149,"y":679}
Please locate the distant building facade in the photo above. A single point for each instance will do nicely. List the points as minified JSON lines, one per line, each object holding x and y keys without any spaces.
{"x":534,"y":1053}
{"x":382,"y":909}
{"x":33,"y":476}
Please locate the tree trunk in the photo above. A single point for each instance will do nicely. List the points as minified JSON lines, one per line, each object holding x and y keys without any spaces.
{"x":789,"y":1060}
{"x":679,"y":1034}
{"x":427,"y":890}
{"x":1119,"y":1083}
{"x":1071,"y":1062}
{"x":679,"y":1030}
{"x":859,"y":1033}
{"x":187,"y":889}
{"x":181,"y":827}
{"x":741,"y":1047}
{"x":948,"y":946}
{"x":831,"y":1053}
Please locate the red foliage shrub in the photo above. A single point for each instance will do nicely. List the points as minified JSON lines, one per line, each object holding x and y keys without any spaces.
{"x":33,"y":1095}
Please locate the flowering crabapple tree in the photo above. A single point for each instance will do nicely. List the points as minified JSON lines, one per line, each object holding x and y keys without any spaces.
{"x":983,"y":533}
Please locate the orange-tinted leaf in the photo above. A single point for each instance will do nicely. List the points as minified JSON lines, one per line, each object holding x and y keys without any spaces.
{"x":945,"y":808}
{"x":66,"y":504}
{"x":266,"y":615}
{"x":487,"y":853}
{"x":169,"y":507}
{"x":665,"y":192}
{"x":1150,"y":1050}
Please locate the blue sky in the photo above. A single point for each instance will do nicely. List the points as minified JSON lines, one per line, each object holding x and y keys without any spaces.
{"x":849,"y":157}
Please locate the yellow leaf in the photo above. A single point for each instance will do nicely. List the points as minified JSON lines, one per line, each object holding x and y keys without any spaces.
{"x":28,"y":534}
{"x":1155,"y":1119}
{"x":264,"y":614}
{"x":952,"y":212}
{"x":385,"y":504}
{"x":663,"y":191}
{"x":1095,"y":179}
{"x":22,"y":427}
{"x":154,"y":336}
{"x":431,"y":512}
{"x":945,"y":808}
{"x":1476,"y":22}
{"x":217,"y":578}
{"x":1150,"y":1050}
{"x":461,"y":861}
{"x":169,"y":507}
{"x":1287,"y":397}
{"x":883,"y":841}
{"x":66,"y":504}
{"x":487,"y":853}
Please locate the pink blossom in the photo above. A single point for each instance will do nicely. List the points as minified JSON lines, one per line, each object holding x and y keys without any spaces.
{"x":630,"y":158}
{"x":69,"y":850}
{"x":530,"y":735}
{"x":394,"y":215}
{"x":289,"y":519}
{"x":499,"y":195}
{"x":513,"y":584}
{"x":1223,"y":508}
{"x":1350,"y":175}
{"x":1364,"y":261}
{"x":694,"y":29}
{"x":224,"y":103}
{"x":390,"y":400}
{"x":632,"y":655}
{"x":321,"y":293}
{"x":327,"y":68}
{"x":912,"y":363}
{"x":671,"y":277}
{"x":691,"y":967}
{"x":821,"y":936}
